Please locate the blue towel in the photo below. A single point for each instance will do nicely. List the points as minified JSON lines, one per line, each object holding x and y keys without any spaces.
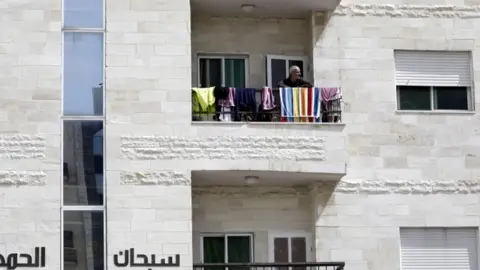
{"x":245,"y":99}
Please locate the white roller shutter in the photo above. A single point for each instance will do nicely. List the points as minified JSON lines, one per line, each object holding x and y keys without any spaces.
{"x":439,"y":248}
{"x":433,"y":68}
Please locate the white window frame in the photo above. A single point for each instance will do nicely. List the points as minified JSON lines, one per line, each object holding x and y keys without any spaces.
{"x":83,"y":208}
{"x":470,"y":94}
{"x":270,"y":57}
{"x":222,"y":57}
{"x":289,"y":235}
{"x":225,"y":237}
{"x":433,"y":100}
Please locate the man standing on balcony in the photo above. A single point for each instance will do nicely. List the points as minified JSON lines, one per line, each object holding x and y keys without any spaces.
{"x":294,"y":80}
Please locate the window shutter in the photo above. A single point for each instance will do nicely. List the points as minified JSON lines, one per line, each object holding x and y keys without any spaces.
{"x":432,"y":68}
{"x":439,"y":248}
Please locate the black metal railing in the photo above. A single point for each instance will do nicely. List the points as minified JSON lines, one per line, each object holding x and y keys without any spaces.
{"x":270,"y":266}
{"x":330,"y":112}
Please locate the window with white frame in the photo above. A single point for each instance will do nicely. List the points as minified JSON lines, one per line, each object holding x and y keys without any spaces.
{"x":278,"y":67}
{"x":83,"y":202}
{"x":226,"y":248}
{"x":439,"y":248}
{"x":433,"y":80}
{"x":229,"y":71}
{"x":289,"y":247}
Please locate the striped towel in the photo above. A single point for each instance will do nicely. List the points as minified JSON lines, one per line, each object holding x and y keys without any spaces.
{"x":296,"y":109}
{"x":286,"y":101}
{"x":309,"y":104}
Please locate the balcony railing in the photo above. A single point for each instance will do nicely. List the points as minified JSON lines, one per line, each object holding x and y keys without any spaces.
{"x":254,"y":109}
{"x":270,"y":266}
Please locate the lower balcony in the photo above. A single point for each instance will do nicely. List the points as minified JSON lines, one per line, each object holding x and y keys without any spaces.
{"x":270,"y":266}
{"x":261,"y":225}
{"x":289,"y":105}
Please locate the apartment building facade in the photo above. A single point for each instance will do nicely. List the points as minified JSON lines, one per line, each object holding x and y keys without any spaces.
{"x":99,"y":152}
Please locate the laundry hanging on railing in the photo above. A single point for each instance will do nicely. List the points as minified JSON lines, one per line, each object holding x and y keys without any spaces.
{"x":226,"y":105}
{"x":297,"y":104}
{"x":305,"y":104}
{"x":203,"y":102}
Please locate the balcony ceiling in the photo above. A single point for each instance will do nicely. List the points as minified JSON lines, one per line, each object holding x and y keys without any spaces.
{"x":264,"y":8}
{"x":266,"y":178}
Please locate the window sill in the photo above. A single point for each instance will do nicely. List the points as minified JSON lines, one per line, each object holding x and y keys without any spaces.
{"x":439,"y":112}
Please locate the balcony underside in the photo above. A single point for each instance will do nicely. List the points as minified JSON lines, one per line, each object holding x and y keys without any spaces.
{"x":263,"y":8}
{"x":265,"y":178}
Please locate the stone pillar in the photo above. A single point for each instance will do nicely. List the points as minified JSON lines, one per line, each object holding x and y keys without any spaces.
{"x":325,"y":236}
{"x":148,"y":89}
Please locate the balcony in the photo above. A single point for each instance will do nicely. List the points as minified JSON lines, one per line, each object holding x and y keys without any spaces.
{"x":270,"y":266}
{"x":288,"y":105}
{"x":262,"y":225}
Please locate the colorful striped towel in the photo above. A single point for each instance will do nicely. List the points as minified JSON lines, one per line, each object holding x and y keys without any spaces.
{"x":286,"y":101}
{"x":300,"y":104}
{"x":309,"y":104}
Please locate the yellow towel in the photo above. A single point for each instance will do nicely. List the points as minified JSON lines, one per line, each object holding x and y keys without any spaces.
{"x":303,"y":104}
{"x":295,"y":103}
{"x":205,"y":99}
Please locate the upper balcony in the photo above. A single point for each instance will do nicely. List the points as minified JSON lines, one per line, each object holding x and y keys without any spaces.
{"x":241,"y":52}
{"x":239,"y":55}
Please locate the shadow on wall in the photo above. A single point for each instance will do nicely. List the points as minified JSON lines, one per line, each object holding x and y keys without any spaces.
{"x":319,"y":25}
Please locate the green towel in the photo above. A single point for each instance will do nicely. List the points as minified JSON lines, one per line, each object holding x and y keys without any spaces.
{"x":203,"y":100}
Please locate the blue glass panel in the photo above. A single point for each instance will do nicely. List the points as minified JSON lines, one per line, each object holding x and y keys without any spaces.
{"x":83,"y":13}
{"x":83,"y":74}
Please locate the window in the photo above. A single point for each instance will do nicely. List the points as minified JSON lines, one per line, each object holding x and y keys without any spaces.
{"x":230,"y":71}
{"x":289,"y":247}
{"x":83,"y":202}
{"x":227,"y":248}
{"x":278,"y":67}
{"x":439,"y":248}
{"x":428,"y":80}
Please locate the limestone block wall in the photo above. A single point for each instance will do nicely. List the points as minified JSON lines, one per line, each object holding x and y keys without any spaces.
{"x":30,"y":128}
{"x":147,"y":94}
{"x":356,"y":44}
{"x":400,"y":166}
{"x":362,"y":228}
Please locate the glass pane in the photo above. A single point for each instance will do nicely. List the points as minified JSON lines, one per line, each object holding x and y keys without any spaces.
{"x":297,"y":63}
{"x":83,"y":74}
{"x":203,"y":73}
{"x":210,"y":72}
{"x":414,"y":98}
{"x":83,"y":13}
{"x":235,"y":73}
{"x":214,"y":249}
{"x":87,"y":231}
{"x":451,"y":98}
{"x":84,"y":158}
{"x":279,"y":71}
{"x":239,"y":249}
{"x":280,"y":251}
{"x":299,"y":251}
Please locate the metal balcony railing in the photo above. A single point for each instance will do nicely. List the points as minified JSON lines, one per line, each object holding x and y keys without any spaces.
{"x":330,"y":111}
{"x":270,"y":266}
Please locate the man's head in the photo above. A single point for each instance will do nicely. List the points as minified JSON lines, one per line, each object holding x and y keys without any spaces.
{"x":295,"y":72}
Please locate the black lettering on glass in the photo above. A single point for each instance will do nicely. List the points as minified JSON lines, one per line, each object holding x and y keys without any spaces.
{"x":141,"y":260}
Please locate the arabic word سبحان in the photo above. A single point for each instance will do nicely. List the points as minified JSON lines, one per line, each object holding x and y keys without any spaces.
{"x":142,"y":260}
{"x":14,"y":260}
